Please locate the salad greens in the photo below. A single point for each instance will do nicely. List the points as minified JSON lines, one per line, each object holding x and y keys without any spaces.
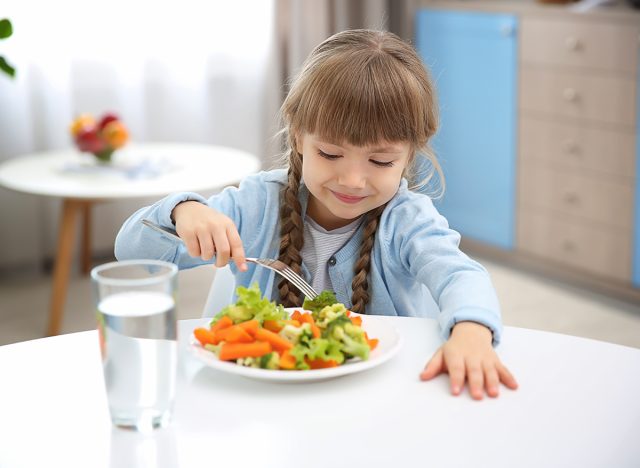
{"x":251,"y":306}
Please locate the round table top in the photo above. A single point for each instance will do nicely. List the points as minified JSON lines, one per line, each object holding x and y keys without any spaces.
{"x":577,"y":405}
{"x":138,"y":170}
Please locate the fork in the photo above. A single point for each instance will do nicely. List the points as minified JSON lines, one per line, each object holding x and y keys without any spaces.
{"x":276,"y":265}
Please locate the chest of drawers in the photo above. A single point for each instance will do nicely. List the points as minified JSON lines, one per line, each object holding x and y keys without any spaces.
{"x":576,"y":151}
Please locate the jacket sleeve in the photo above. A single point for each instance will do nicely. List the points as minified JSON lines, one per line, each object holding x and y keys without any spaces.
{"x":428,"y":250}
{"x":241,"y":204}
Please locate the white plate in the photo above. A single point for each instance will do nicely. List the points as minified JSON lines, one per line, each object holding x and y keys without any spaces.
{"x":375,"y":326}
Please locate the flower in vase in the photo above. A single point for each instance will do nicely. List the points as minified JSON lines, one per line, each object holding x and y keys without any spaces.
{"x":101,"y":138}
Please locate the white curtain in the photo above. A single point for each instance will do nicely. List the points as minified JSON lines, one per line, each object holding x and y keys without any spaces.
{"x":187,"y":71}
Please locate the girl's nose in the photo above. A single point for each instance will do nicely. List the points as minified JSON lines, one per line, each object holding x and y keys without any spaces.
{"x":352,"y":178}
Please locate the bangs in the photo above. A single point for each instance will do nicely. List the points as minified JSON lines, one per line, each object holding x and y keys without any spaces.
{"x":362,"y":101}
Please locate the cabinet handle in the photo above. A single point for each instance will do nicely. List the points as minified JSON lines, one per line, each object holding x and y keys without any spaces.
{"x":572,"y":43}
{"x":568,"y":245}
{"x":570,"y":94}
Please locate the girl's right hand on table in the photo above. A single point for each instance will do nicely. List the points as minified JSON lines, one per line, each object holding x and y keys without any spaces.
{"x":207,"y":232}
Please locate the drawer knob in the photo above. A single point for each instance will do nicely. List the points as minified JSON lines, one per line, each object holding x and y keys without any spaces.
{"x":570,"y":94}
{"x":507,"y":30}
{"x":572,"y":43}
{"x":571,"y":197}
{"x":570,"y":147}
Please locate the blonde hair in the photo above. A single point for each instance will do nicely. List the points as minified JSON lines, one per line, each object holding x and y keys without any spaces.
{"x":360,"y":87}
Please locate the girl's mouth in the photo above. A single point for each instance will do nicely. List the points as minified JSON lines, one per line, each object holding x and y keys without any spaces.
{"x":347,"y":198}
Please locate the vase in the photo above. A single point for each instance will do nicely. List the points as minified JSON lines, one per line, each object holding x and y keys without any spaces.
{"x":104,"y":156}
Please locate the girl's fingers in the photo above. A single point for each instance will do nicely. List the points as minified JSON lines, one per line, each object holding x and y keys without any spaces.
{"x":506,"y":377}
{"x":492,"y":381}
{"x":207,"y":249}
{"x":237,"y":251}
{"x":475,"y":377}
{"x":433,"y":367}
{"x":223,"y":251}
{"x":192,"y":244}
{"x":455,"y":365}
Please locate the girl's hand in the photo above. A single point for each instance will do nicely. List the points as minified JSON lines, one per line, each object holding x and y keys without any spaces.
{"x":468,"y":354}
{"x":207,"y":232}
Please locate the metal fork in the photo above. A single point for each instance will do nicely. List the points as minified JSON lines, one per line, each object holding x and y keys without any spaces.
{"x":275,"y":265}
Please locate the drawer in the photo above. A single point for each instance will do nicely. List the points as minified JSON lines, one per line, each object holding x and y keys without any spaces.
{"x":595,"y":249}
{"x":594,"y":199}
{"x":607,"y":99}
{"x":576,"y":148}
{"x":604,"y":46}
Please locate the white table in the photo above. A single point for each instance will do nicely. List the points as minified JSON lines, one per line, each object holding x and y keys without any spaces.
{"x":578,"y":406}
{"x":180,"y":167}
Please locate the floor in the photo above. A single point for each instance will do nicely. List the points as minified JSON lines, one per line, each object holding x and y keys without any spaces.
{"x":527,"y":301}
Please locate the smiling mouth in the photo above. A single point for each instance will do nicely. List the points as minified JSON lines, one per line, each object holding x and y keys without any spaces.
{"x":347,"y":198}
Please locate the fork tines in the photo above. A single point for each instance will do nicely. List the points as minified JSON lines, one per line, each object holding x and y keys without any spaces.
{"x":289,"y":274}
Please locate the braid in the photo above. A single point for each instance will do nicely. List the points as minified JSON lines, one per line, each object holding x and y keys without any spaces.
{"x":360,"y":284}
{"x":291,"y":230}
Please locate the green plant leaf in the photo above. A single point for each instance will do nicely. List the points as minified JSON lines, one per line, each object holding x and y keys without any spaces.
{"x":6,"y":29}
{"x":5,"y":67}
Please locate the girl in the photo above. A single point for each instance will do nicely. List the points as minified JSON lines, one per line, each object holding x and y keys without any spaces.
{"x":357,"y":121}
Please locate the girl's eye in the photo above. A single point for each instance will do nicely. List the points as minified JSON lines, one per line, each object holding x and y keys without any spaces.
{"x":328,"y":156}
{"x":381,"y":163}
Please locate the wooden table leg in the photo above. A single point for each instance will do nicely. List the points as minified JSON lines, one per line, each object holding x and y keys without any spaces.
{"x":86,"y":237}
{"x":66,"y":234}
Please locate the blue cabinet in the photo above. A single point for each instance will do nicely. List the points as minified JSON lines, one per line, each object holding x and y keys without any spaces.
{"x":473,"y":59}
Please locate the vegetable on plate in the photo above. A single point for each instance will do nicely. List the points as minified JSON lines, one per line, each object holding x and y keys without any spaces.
{"x":256,"y":332}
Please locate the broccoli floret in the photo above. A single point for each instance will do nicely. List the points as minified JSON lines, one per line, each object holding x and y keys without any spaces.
{"x":317,"y":348}
{"x":350,"y":337}
{"x":326,"y":298}
{"x":321,"y":348}
{"x":270,"y":361}
{"x":328,"y":314}
{"x":248,"y":362}
{"x":299,"y":352}
{"x":297,"y":335}
{"x":213,"y":348}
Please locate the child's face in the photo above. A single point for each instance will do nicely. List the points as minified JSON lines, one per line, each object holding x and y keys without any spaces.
{"x":347,"y":181}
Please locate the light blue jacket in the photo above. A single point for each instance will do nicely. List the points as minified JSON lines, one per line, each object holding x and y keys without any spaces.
{"x":415,"y":259}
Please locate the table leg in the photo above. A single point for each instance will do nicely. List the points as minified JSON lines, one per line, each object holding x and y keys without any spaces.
{"x":66,"y":234}
{"x":86,"y":237}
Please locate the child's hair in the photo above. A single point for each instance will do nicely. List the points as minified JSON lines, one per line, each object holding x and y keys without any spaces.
{"x":360,"y":87}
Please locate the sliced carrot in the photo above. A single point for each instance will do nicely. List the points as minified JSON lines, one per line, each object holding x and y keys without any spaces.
{"x":348,"y":313}
{"x":356,"y":320}
{"x":321,"y":363}
{"x":373,"y":342}
{"x":287,"y":361}
{"x":224,"y":322}
{"x":308,"y":318}
{"x":279,"y":344}
{"x":232,"y":351}
{"x":295,"y":323}
{"x":296,"y":315}
{"x":250,"y":326}
{"x":234,"y":334}
{"x":204,"y":336}
{"x":272,"y":325}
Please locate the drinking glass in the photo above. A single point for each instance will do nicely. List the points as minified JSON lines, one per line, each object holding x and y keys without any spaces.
{"x":136,"y":311}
